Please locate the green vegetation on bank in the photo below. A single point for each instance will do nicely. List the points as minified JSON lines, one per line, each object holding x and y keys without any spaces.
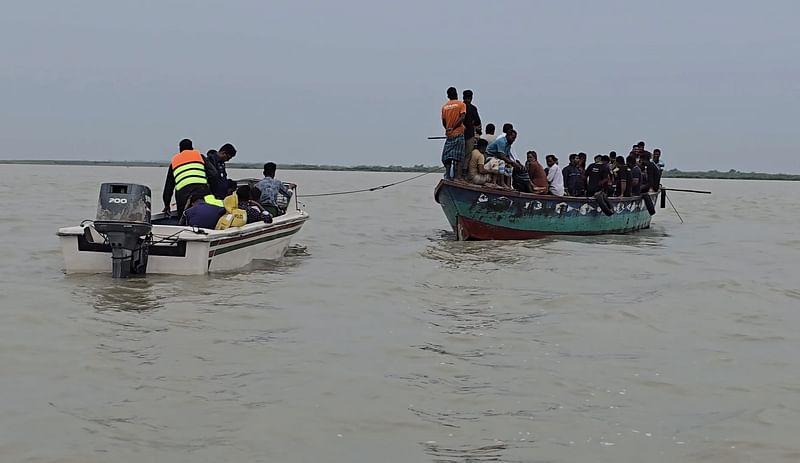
{"x":672,"y":173}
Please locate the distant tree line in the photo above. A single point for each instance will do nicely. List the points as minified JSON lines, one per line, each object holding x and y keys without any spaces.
{"x":671,"y":173}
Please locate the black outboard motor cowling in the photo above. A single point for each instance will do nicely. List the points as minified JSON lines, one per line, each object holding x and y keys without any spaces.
{"x":123,"y":217}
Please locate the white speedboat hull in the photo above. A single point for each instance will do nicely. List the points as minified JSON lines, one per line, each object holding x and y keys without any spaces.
{"x":186,"y":250}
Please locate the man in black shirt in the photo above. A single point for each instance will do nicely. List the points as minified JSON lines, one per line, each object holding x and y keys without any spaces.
{"x":651,"y":171}
{"x":472,"y":125}
{"x":623,"y":183}
{"x":596,"y":176}
{"x":636,"y":176}
{"x":573,"y":178}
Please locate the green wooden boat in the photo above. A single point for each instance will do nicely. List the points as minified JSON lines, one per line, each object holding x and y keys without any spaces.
{"x":479,"y":213}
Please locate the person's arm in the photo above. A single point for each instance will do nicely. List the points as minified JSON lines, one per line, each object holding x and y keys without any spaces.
{"x":256,"y":204}
{"x":476,"y":121}
{"x":459,"y":121}
{"x":169,"y":186}
{"x":284,"y":191}
{"x":482,"y":168}
{"x":623,"y":185}
{"x":551,"y":175}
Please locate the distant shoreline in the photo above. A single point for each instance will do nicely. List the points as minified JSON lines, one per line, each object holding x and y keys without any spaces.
{"x":672,"y":173}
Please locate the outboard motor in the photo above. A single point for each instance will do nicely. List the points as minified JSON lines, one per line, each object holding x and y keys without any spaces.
{"x":123,"y":217}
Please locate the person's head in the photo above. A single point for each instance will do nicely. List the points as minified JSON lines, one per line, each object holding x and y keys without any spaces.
{"x":467,"y":96}
{"x":631,"y":161}
{"x":640,"y":145}
{"x":244,"y":193}
{"x":620,"y":161}
{"x":532,"y":155}
{"x":452,"y":93}
{"x":636,"y":149}
{"x":582,"y":157}
{"x":551,"y":160}
{"x":612,"y":155}
{"x":511,"y":136}
{"x":185,"y":144}
{"x":598,"y":159}
{"x":226,"y":152}
{"x":605,"y":159}
{"x":656,"y":154}
{"x":489,"y":129}
{"x":482,"y":144}
{"x":507,"y":127}
{"x":575,"y":160}
{"x":269,"y":169}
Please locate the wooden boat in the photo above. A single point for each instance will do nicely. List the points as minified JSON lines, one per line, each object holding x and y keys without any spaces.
{"x":479,"y":213}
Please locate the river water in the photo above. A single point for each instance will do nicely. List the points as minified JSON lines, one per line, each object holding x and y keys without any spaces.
{"x":388,"y":341}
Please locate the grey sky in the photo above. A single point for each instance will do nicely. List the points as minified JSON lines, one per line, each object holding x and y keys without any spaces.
{"x":715,"y":84}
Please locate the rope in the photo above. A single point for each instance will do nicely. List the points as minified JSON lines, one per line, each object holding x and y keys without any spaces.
{"x":674,"y":209}
{"x":376,"y":188}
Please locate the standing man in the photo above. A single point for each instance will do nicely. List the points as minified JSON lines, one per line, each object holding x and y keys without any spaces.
{"x":472,"y":125}
{"x":573,"y":178}
{"x":187,"y":174}
{"x":489,"y":136}
{"x":453,"y":114}
{"x":220,"y":185}
{"x":555,"y":178}
{"x":597,"y":176}
{"x":636,"y":176}
{"x":657,"y":159}
{"x":651,"y":173}
{"x":624,"y":180}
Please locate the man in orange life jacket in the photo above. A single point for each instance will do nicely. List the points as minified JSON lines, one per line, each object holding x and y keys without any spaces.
{"x":188,"y":175}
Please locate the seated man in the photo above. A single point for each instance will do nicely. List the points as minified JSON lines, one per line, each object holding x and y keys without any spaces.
{"x":477,"y":172}
{"x":204,"y":211}
{"x":255,"y":212}
{"x":537,"y":174}
{"x":501,"y":148}
{"x":270,"y":187}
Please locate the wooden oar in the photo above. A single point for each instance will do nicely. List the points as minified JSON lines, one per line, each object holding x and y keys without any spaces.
{"x":688,"y":191}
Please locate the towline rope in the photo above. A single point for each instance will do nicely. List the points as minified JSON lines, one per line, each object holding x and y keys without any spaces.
{"x":375,"y":188}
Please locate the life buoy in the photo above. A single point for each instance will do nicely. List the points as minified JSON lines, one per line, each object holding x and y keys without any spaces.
{"x":648,"y":202}
{"x":603,"y":203}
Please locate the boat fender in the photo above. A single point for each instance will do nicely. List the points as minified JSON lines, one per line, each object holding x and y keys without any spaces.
{"x":648,"y":202}
{"x":604,"y":203}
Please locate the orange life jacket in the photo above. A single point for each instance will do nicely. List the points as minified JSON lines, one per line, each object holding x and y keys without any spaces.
{"x":188,"y":168}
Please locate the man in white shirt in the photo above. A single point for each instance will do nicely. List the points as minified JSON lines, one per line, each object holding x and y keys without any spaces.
{"x":554,"y":176}
{"x":489,"y":136}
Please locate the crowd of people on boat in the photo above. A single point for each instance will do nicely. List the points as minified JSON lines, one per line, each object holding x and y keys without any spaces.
{"x":481,"y":157}
{"x":206,"y":198}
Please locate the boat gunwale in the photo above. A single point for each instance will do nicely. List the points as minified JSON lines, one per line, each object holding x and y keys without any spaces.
{"x":519,"y":194}
{"x":245,"y":231}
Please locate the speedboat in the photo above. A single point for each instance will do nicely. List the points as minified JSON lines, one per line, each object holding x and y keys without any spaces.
{"x":126,"y":239}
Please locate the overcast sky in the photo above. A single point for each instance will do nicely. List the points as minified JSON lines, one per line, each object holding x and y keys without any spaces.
{"x":714,"y":84}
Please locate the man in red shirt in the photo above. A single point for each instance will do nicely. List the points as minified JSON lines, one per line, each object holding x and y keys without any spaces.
{"x":453,"y":113}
